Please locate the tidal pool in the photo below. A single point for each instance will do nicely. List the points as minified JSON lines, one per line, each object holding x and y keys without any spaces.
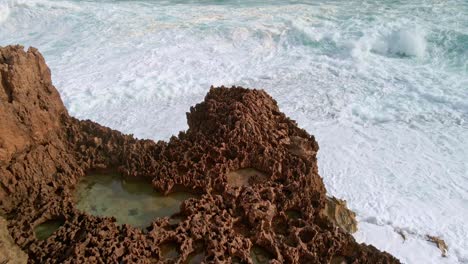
{"x":46,"y":229}
{"x":259,"y":255}
{"x":130,"y":201}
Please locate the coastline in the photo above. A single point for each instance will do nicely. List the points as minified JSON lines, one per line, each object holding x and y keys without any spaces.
{"x":45,"y":152}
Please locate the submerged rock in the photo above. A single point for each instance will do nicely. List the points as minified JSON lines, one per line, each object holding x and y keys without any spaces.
{"x":44,"y":152}
{"x":440,"y":244}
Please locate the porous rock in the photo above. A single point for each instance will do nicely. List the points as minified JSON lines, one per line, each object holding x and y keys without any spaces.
{"x":44,"y":152}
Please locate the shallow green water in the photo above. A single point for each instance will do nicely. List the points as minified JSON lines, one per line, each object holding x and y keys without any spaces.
{"x":46,"y":229}
{"x":131,"y":202}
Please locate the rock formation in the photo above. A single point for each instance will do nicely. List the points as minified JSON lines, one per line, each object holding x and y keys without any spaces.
{"x":236,"y":131}
{"x":339,"y":214}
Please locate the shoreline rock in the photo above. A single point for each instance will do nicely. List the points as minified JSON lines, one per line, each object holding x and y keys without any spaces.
{"x":440,"y":243}
{"x":338,"y":213}
{"x":44,"y":152}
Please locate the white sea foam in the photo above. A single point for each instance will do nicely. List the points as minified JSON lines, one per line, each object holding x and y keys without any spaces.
{"x":39,"y":3}
{"x":4,"y":12}
{"x":402,"y":42}
{"x":382,"y":86}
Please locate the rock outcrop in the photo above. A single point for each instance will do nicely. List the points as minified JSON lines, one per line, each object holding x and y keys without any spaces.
{"x":339,"y":214}
{"x":233,"y":133}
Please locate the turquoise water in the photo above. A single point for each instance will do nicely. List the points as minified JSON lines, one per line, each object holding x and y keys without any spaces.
{"x":383,"y":85}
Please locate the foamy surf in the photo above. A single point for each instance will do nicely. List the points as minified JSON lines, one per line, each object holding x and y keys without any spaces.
{"x":4,"y":12}
{"x":381,"y":84}
{"x":403,"y":42}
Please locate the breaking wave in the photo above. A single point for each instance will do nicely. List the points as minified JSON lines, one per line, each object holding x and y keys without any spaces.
{"x":402,"y":42}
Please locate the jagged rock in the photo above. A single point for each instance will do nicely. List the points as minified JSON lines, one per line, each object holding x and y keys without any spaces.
{"x":44,"y":152}
{"x":440,"y":244}
{"x":10,"y":253}
{"x":339,"y":214}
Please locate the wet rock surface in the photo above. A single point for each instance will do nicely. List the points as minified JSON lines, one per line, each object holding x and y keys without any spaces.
{"x":440,"y":244}
{"x":44,"y":152}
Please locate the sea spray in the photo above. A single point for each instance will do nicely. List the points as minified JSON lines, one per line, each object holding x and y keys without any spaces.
{"x":402,"y":42}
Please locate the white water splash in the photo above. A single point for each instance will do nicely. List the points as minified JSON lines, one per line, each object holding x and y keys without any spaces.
{"x":402,"y":42}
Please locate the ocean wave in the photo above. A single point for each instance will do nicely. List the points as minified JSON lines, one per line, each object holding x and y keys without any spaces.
{"x":31,"y":8}
{"x":402,"y":42}
{"x":12,"y":4}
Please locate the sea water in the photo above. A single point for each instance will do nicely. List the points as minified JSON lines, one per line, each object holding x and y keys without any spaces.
{"x":130,"y":201}
{"x":47,"y":228}
{"x":383,"y":85}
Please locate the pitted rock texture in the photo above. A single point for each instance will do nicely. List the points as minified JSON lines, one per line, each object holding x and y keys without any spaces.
{"x":44,"y":152}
